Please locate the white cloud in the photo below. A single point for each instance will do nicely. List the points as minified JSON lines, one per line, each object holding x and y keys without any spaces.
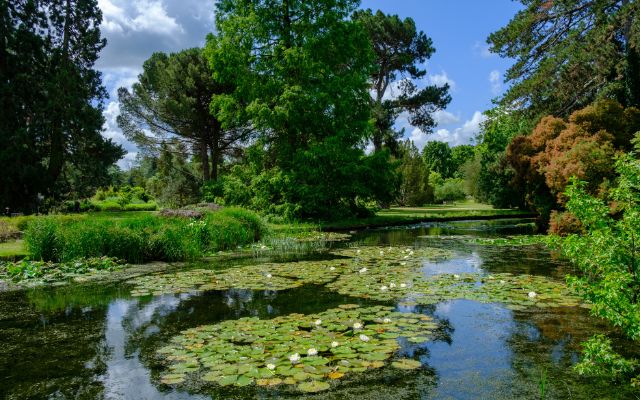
{"x":134,"y":30}
{"x":115,"y":78}
{"x":152,"y":17}
{"x":137,"y":16}
{"x":443,"y":117}
{"x":461,"y":135}
{"x":495,"y":79}
{"x":441,"y":79}
{"x":482,"y":49}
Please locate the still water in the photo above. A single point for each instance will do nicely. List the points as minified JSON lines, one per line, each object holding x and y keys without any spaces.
{"x":96,"y":341}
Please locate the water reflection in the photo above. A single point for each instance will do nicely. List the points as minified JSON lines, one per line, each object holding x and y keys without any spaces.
{"x":91,"y":342}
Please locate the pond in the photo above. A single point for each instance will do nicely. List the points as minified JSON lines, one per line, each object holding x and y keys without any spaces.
{"x":431,"y":311}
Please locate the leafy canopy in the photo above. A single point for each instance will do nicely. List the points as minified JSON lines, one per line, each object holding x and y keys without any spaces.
{"x":570,"y":52}
{"x":399,"y":49}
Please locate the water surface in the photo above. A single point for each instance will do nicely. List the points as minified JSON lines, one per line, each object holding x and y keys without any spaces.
{"x":96,"y":341}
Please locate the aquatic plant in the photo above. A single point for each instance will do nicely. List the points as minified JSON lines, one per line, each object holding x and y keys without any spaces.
{"x":268,"y":276}
{"x":376,"y":273}
{"x":518,"y":240}
{"x":294,"y":349}
{"x":45,"y":271}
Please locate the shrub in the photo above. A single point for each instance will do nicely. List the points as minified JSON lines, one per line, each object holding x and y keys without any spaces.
{"x":41,"y":238}
{"x":451,"y":189}
{"x":564,"y":223}
{"x":141,"y":238}
{"x":150,"y":206}
{"x":251,"y":220}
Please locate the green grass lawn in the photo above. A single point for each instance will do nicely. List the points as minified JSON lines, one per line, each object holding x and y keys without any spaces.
{"x":11,"y":250}
{"x":435,"y":212}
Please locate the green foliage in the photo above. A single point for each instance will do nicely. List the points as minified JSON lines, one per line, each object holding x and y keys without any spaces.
{"x":414,"y":186}
{"x":566,"y":53}
{"x":358,"y":180}
{"x":27,"y":270}
{"x":399,"y":49}
{"x":51,"y":100}
{"x":450,"y":190}
{"x":608,"y":254}
{"x":300,"y":74}
{"x":494,"y":177}
{"x":437,"y":157}
{"x":126,"y":198}
{"x":138,"y":239}
{"x":170,"y":102}
{"x":599,"y":359}
{"x":175,"y":184}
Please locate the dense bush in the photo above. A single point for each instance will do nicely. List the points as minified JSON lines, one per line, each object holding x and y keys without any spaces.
{"x":141,"y":238}
{"x":607,"y":255}
{"x":450,"y":190}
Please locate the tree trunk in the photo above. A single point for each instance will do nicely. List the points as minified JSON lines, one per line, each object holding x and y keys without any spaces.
{"x":204,"y":159}
{"x":215,"y":160}
{"x":56,"y":149}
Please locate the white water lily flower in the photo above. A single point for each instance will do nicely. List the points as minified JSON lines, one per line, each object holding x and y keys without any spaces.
{"x":381,"y":253}
{"x":294,"y":358}
{"x":363,"y":270}
{"x":357,"y":325}
{"x":332,"y":269}
{"x":532,"y":294}
{"x":392,"y":285}
{"x":383,"y":288}
{"x":386,"y":320}
{"x":364,"y":338}
{"x":503,"y":282}
{"x":403,"y":285}
{"x":318,"y":322}
{"x":335,"y":344}
{"x":456,"y":276}
{"x":403,"y":263}
{"x":269,"y":276}
{"x":312,"y":352}
{"x":359,"y":251}
{"x":271,"y":367}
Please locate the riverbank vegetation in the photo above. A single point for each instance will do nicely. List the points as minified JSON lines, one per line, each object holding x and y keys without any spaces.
{"x":140,"y":238}
{"x":285,"y":116}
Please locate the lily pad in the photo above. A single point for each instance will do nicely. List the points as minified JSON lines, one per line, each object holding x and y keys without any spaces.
{"x":407,"y":364}
{"x":313,"y":386}
{"x":289,"y":350}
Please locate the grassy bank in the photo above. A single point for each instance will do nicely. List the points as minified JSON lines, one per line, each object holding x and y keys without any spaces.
{"x":412,"y":215}
{"x":12,"y":250}
{"x":141,"y":237}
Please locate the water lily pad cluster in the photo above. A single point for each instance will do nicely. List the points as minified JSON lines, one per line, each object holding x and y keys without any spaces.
{"x":519,"y":240}
{"x":385,"y":273}
{"x":305,"y":351}
{"x":273,"y":276}
{"x":313,"y":236}
{"x":268,"y":276}
{"x":516,"y":291}
{"x":30,"y":271}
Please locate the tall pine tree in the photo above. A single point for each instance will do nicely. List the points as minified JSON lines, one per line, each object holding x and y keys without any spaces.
{"x":51,"y":97}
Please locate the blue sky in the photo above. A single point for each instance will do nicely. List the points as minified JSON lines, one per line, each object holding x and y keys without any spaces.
{"x":136,"y":28}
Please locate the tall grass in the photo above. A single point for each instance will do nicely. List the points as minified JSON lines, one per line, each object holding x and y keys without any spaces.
{"x":141,"y":238}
